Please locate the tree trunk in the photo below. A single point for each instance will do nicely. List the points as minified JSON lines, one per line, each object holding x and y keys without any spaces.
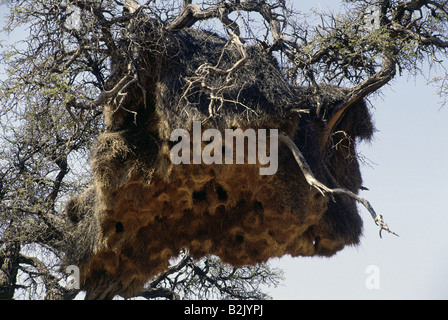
{"x":9,"y":265}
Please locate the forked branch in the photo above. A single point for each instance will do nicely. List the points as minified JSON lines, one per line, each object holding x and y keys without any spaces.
{"x":192,"y":13}
{"x":326,"y":191}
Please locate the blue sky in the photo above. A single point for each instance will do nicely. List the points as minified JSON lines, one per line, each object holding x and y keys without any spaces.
{"x":407,"y":176}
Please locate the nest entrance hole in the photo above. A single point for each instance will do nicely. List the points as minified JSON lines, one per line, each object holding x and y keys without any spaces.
{"x":201,"y":195}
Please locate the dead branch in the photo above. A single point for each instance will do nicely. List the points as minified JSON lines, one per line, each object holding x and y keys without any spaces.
{"x":192,"y":13}
{"x":360,"y":91}
{"x":236,"y":41}
{"x":131,"y":6}
{"x":324,"y":190}
{"x":201,"y":73}
{"x":103,"y":97}
{"x":428,"y":40}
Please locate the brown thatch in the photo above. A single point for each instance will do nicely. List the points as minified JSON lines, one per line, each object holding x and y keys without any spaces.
{"x":142,"y":209}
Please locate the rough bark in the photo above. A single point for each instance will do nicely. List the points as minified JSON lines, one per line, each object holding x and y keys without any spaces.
{"x":9,"y":266}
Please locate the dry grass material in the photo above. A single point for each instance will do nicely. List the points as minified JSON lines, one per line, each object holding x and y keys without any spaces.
{"x":142,"y":210}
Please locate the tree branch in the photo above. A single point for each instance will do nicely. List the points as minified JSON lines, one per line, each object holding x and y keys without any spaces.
{"x":131,"y":6}
{"x":323,"y":189}
{"x":9,"y":266}
{"x":426,"y":40}
{"x":152,"y":293}
{"x":104,"y":96}
{"x":360,"y":91}
{"x":54,"y":291}
{"x":192,"y":13}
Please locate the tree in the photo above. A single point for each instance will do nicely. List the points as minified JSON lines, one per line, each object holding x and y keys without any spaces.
{"x":81,"y":55}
